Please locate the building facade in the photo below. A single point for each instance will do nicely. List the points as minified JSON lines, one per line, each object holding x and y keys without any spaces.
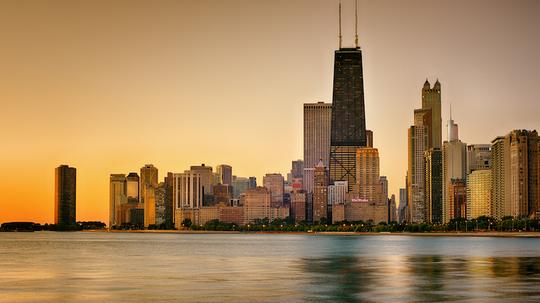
{"x":317,"y":121}
{"x":149,"y":178}
{"x":132,"y":187}
{"x":500,"y":177}
{"x":457,"y":198}
{"x":348,"y":125}
{"x":423,"y":136}
{"x":65,"y":195}
{"x":256,"y":202}
{"x":224,"y":173}
{"x":368,"y":181}
{"x":298,"y":206}
{"x":431,"y":99}
{"x":320,"y":194}
{"x":207,"y":181}
{"x":275,"y":184}
{"x":433,"y":185}
{"x":187,"y":190}
{"x":454,"y":157}
{"x":524,"y":174}
{"x":402,"y":208}
{"x":222,"y":193}
{"x":356,"y":209}
{"x":337,"y":192}
{"x":478,"y":157}
{"x":417,"y":139}
{"x":117,"y":197}
{"x":240,"y":185}
{"x":479,"y":194}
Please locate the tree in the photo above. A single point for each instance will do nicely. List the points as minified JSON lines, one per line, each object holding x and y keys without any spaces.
{"x":187,"y":223}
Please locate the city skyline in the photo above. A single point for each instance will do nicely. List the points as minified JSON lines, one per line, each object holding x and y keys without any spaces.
{"x":87,"y":147}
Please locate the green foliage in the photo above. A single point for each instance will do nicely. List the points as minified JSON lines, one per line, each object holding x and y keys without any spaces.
{"x":187,"y":223}
{"x":459,"y":224}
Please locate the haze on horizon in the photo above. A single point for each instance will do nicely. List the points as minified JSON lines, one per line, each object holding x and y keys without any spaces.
{"x":109,"y":86}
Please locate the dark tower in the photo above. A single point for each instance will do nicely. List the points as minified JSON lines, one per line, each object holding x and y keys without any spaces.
{"x":348,"y":128}
{"x":65,"y":184}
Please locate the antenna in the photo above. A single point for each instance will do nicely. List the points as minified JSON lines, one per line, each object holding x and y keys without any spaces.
{"x":450,"y":110}
{"x":340,"y":37}
{"x":356,"y":22}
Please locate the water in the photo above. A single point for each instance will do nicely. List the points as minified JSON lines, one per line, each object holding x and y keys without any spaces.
{"x":121,"y":267}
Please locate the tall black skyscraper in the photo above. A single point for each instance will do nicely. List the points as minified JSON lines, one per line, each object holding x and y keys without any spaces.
{"x":348,"y":130}
{"x":65,"y":195}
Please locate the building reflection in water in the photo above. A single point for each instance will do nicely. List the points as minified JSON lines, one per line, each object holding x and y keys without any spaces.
{"x":422,"y":278}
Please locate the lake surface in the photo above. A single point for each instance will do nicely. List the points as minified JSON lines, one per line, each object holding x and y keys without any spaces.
{"x":122,"y":267}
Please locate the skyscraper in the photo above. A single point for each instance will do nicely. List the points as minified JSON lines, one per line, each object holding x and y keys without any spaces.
{"x":320,"y":194}
{"x":150,"y":205}
{"x":297,"y":169}
{"x":117,"y":197}
{"x":187,"y":190}
{"x":240,"y":185}
{"x":433,"y":184}
{"x":500,"y":177}
{"x":148,"y":186}
{"x":516,"y":174}
{"x":65,"y":195}
{"x":337,"y":192}
{"x":479,"y":194}
{"x":384,"y":187}
{"x":252,"y":182}
{"x":392,"y":209}
{"x":169,"y":206}
{"x":348,"y":127}
{"x":298,"y":206}
{"x":524,"y":174}
{"x":418,"y":142}
{"x":132,"y":187}
{"x":160,"y":194}
{"x":317,"y":122}
{"x":368,"y":184}
{"x":149,"y":178}
{"x":454,"y":158}
{"x":457,"y":199}
{"x":275,"y":184}
{"x":478,"y":157}
{"x":402,"y":208}
{"x":431,"y":99}
{"x":224,"y":172}
{"x":222,"y":194}
{"x":426,"y":134}
{"x":256,"y":202}
{"x":206,"y":179}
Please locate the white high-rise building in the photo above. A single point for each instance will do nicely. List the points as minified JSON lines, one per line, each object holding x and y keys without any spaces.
{"x":418,"y":143}
{"x":337,"y":192}
{"x":187,"y":189}
{"x":454,"y":157}
{"x":317,"y":123}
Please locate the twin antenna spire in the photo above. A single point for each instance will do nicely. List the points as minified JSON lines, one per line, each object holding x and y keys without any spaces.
{"x":355,"y":24}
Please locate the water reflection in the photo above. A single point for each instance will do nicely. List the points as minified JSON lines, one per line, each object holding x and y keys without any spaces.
{"x":423,"y":279}
{"x":112,"y":267}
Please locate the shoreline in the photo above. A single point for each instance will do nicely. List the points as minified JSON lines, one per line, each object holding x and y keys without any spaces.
{"x":330,"y":233}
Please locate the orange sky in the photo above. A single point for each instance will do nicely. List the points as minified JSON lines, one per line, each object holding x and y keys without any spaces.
{"x":107,"y":86}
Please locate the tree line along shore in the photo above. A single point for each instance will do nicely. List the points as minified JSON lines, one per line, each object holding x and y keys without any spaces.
{"x":481,"y":224}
